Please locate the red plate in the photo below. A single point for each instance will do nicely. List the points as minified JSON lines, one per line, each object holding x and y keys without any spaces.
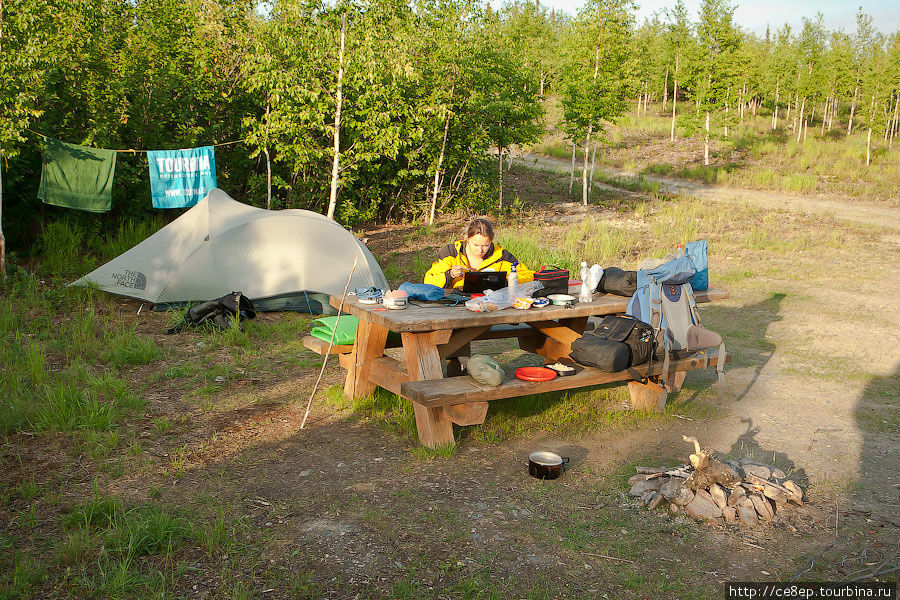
{"x":535,"y":374}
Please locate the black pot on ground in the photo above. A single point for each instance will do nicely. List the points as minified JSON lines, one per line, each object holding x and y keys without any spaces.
{"x":546,"y":465}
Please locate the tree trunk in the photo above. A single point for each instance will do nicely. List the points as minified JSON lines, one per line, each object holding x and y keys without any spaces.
{"x":775,"y":112}
{"x":853,"y":107}
{"x":543,"y":79}
{"x":726,"y":112}
{"x":336,"y":164}
{"x":869,"y":136}
{"x":572,"y":174}
{"x":706,"y":142}
{"x":268,"y":163}
{"x":799,"y":126}
{"x":584,"y":171}
{"x":869,"y":145}
{"x":674,"y":102}
{"x":798,"y":114}
{"x":833,"y":111}
{"x":666,"y":90}
{"x":887,"y":116}
{"x":500,"y":174}
{"x":2,"y":239}
{"x":825,"y":114}
{"x":437,"y":170}
{"x":894,"y":125}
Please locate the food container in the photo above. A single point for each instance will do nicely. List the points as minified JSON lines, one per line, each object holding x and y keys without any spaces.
{"x":562,"y":299}
{"x":523,"y":303}
{"x":396,"y":299}
{"x":544,"y":464}
{"x":394,"y":303}
{"x":540,"y":303}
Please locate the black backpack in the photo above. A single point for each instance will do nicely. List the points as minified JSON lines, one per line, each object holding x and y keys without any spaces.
{"x":221,"y":312}
{"x":616,"y":344}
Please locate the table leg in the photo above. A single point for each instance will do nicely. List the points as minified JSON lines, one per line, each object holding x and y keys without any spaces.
{"x":559,"y":337}
{"x":675,"y":381}
{"x":648,"y":396}
{"x":423,"y":362}
{"x":369,"y":345}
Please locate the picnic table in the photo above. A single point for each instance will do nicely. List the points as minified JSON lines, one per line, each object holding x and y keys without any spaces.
{"x":433,"y":333}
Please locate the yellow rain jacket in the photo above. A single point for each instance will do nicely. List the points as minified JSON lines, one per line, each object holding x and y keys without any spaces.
{"x":451,"y":255}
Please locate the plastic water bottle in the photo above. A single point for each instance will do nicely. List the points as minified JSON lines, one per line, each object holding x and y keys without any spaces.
{"x":679,"y":250}
{"x":513,"y":282}
{"x":585,"y":294}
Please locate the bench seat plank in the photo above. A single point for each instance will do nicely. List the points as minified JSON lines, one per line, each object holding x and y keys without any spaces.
{"x":455,"y":390}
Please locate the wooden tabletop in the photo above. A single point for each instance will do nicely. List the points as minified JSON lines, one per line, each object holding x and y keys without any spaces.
{"x":432,"y":316}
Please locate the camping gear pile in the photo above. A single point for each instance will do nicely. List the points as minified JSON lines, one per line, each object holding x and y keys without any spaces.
{"x":222,"y":313}
{"x":719,"y":491}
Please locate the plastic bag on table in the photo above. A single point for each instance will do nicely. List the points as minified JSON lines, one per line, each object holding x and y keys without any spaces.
{"x":499,"y":299}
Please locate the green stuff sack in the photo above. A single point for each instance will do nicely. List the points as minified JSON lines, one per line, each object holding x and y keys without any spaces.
{"x":485,"y":370}
{"x":346,"y":329}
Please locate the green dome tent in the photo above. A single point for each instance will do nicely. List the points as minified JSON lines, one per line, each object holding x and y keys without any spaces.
{"x":282,"y":260}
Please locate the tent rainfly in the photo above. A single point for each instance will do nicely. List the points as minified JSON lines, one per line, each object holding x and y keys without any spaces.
{"x":276,"y":258}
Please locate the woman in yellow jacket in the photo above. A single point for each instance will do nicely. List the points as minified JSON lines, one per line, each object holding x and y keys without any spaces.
{"x":477,"y":252}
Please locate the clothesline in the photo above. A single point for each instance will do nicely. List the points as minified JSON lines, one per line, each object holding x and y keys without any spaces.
{"x":132,"y":150}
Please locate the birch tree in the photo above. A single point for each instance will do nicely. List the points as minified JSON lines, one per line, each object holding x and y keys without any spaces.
{"x":600,"y":73}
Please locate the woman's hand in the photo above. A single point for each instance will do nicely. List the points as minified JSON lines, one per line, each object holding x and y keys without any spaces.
{"x":456,"y":271}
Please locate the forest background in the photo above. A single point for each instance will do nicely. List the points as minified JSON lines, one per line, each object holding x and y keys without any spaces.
{"x":392,"y":109}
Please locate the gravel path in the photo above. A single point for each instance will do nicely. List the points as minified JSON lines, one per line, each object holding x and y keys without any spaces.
{"x":842,"y":208}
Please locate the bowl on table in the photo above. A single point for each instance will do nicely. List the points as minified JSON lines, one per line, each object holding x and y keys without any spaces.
{"x":562,"y":299}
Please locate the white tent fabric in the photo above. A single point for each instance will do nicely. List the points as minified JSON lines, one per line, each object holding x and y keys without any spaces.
{"x":221,"y":245}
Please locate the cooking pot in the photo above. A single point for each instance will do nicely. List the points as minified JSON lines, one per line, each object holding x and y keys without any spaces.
{"x":544,"y":464}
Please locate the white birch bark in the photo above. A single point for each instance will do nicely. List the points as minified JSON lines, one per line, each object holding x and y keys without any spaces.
{"x":853,"y":107}
{"x":674,"y":98}
{"x":593,"y":157}
{"x":336,"y":164}
{"x":706,"y":142}
{"x":584,"y":170}
{"x":500,"y":170}
{"x":666,"y":90}
{"x":437,"y":169}
{"x":572,"y":173}
{"x":268,"y":162}
{"x":894,"y":125}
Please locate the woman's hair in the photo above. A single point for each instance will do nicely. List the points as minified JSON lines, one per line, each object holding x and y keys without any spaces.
{"x":480,"y":227}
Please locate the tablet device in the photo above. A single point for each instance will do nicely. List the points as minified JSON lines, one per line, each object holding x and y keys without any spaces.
{"x":476,"y":282}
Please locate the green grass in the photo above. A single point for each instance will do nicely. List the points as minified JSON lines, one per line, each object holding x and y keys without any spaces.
{"x":129,"y":234}
{"x":127,"y":348}
{"x":61,"y":246}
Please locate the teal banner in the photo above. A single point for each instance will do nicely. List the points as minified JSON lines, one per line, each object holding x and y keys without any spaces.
{"x":181,"y":178}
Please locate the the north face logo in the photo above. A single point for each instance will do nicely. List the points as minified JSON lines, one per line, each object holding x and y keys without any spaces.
{"x":130,"y":279}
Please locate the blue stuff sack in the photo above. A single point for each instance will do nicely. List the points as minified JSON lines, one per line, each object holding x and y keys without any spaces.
{"x":369,"y":293}
{"x":422,"y":291}
{"x":696,"y":251}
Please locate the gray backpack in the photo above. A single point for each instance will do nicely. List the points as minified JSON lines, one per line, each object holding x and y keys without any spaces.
{"x":665,"y":300}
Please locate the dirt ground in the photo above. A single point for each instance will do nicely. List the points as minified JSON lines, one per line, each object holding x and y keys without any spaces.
{"x":345,"y":509}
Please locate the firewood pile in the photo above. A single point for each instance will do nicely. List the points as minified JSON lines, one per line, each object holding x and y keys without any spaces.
{"x":708,"y":489}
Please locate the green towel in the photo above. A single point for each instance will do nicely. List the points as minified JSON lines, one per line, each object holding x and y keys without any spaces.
{"x":346,"y":332}
{"x":346,"y":329}
{"x":77,"y":176}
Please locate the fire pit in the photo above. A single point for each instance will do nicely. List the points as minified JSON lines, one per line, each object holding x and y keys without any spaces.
{"x":709,"y":489}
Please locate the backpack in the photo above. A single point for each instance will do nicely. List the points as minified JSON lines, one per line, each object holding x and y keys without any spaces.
{"x":221,"y":312}
{"x":665,"y":299}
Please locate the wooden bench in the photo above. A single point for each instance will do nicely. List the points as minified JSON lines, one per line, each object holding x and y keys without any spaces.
{"x":454,"y":393}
